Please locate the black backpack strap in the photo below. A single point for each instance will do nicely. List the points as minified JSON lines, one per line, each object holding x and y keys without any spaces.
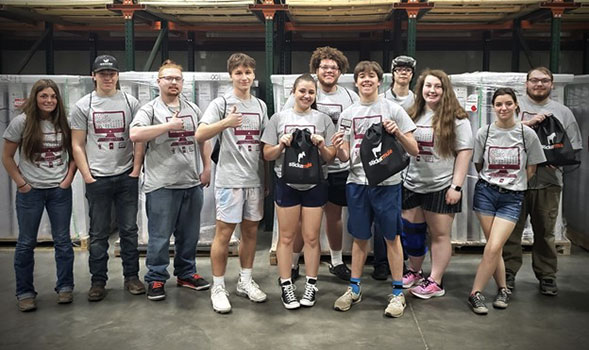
{"x":485,"y":144}
{"x":524,"y":139}
{"x":128,"y":103}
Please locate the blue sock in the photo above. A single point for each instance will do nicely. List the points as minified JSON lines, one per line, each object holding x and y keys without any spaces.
{"x":355,"y":285}
{"x":397,"y":288}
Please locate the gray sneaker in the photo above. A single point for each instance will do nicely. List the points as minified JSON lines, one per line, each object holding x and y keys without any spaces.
{"x":26,"y":304}
{"x":349,"y":298}
{"x":501,"y":299}
{"x":476,"y":302}
{"x":548,"y":286}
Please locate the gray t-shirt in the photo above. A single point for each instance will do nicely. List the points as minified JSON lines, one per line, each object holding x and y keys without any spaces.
{"x":240,"y":164}
{"x":428,"y":171}
{"x":506,"y":154}
{"x":405,"y":101}
{"x":546,"y":176}
{"x":170,"y":159}
{"x":332,"y":104}
{"x":109,"y":149}
{"x":286,"y":122}
{"x":50,"y":166}
{"x":357,"y":119}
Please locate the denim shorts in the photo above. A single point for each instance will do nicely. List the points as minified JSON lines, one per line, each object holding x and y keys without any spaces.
{"x":491,"y":200}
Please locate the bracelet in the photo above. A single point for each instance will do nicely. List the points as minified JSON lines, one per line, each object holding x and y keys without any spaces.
{"x":21,"y":186}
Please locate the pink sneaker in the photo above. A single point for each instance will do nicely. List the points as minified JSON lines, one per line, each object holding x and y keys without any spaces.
{"x":428,"y":289}
{"x":412,"y":278}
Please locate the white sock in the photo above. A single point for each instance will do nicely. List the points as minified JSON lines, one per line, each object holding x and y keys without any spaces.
{"x":245,"y":275}
{"x":336,"y":257}
{"x":295,"y":259}
{"x":220,"y":280}
{"x":282,"y":280}
{"x":312,"y":278}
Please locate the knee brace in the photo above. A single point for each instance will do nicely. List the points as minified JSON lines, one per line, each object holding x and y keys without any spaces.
{"x":414,"y":238}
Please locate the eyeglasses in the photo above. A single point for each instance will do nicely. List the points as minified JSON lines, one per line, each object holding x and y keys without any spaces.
{"x":403,"y":70}
{"x":326,"y":68}
{"x":544,"y":81}
{"x":171,"y":79}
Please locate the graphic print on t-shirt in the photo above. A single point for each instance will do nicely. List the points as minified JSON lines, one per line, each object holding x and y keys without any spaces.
{"x":248,"y":134}
{"x":51,"y":154}
{"x":333,"y":110}
{"x":112,"y":125}
{"x":504,"y":160}
{"x":185,"y":137}
{"x":289,"y":129}
{"x":424,"y":135}
{"x":360,"y":125}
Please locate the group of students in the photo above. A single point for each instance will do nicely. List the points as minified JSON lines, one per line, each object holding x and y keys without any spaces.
{"x":111,"y":138}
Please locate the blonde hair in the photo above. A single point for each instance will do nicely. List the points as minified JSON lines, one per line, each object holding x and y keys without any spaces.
{"x":169,"y":64}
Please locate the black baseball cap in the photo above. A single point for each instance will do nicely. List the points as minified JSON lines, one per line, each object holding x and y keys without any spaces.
{"x":104,"y":62}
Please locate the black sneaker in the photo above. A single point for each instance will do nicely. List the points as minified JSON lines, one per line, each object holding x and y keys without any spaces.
{"x":510,"y":280}
{"x":156,"y":291}
{"x":548,"y":286}
{"x":381,"y":272}
{"x":288,"y":297}
{"x":194,"y":281}
{"x":294,"y":273}
{"x":309,"y":297}
{"x":341,"y":271}
{"x":476,"y":302}
{"x":501,"y":299}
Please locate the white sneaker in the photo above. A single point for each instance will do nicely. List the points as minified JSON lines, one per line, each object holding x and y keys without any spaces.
{"x":251,"y":290}
{"x":219,"y":299}
{"x":345,"y":302}
{"x":396,"y":306}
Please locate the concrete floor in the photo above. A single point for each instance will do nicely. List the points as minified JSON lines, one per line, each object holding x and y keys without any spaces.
{"x":185,"y":320}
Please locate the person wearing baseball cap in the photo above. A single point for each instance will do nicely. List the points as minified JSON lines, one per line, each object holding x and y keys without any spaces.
{"x":109,"y":163}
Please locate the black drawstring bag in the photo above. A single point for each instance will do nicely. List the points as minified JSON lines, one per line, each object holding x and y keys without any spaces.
{"x":301,"y":160}
{"x":555,"y":142}
{"x":382,"y":155}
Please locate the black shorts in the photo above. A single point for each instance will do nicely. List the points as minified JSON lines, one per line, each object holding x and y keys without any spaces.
{"x":286,"y":196}
{"x":433,"y":201}
{"x":336,"y":192}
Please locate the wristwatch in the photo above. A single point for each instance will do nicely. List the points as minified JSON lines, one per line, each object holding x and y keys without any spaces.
{"x":456,"y":188}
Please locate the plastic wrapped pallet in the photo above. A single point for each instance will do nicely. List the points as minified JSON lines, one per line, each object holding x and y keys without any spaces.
{"x":576,"y":188}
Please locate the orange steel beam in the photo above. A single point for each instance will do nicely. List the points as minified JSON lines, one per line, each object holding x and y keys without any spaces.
{"x":558,"y":7}
{"x":268,"y":8}
{"x":127,"y":8}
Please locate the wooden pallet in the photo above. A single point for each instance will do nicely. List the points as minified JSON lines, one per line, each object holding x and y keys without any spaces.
{"x":563,"y":247}
{"x":79,"y":243}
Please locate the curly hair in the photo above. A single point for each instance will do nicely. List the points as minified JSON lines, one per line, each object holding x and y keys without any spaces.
{"x":328,"y":53}
{"x":446,"y":112}
{"x":32,"y":138}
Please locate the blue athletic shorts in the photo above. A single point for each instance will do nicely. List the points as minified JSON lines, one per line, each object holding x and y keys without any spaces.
{"x":380,"y":205}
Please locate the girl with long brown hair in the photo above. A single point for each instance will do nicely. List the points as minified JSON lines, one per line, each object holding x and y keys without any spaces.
{"x":43,"y":179}
{"x":433,"y":180}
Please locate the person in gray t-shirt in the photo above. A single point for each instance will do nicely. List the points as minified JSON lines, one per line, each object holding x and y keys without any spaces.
{"x":506,"y":153}
{"x":43,"y":178}
{"x":403,"y":69}
{"x":174,"y":195}
{"x":110,"y":164}
{"x":432,"y":189}
{"x":542,"y":198}
{"x":329,"y":64}
{"x":296,"y":203}
{"x":239,"y":118}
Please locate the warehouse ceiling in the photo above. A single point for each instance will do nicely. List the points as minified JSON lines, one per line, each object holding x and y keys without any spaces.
{"x":234,"y":18}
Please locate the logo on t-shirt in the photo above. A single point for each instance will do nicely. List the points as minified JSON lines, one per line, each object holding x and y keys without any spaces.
{"x":184,"y":139}
{"x":51,"y":154}
{"x":112,"y":126}
{"x":333,"y":110}
{"x":424,"y":135}
{"x":248,"y":134}
{"x":504,"y":160}
{"x":360,"y":125}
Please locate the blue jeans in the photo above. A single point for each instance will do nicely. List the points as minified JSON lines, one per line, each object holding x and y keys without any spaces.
{"x":121,"y":190}
{"x":172,"y":211}
{"x":29,"y":210}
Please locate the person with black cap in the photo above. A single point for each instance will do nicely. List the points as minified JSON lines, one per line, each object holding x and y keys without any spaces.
{"x":110,"y":164}
{"x":402,"y":68}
